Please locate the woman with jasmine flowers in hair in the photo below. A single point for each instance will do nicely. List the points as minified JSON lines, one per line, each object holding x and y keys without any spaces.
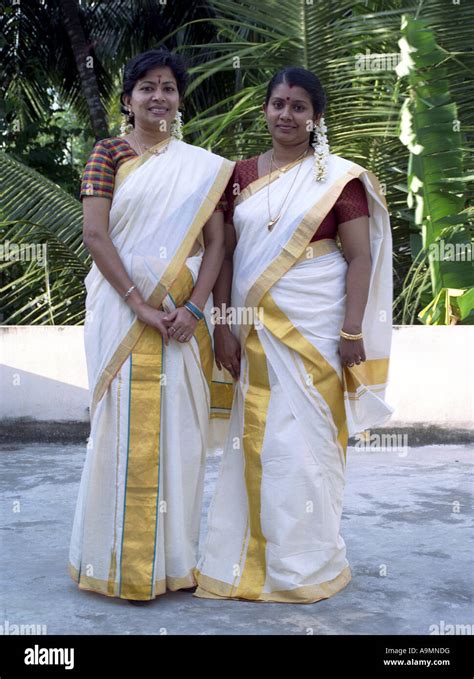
{"x":310,"y":368}
{"x":153,"y":227}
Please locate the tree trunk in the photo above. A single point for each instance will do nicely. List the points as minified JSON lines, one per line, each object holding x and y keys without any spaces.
{"x":80,"y":48}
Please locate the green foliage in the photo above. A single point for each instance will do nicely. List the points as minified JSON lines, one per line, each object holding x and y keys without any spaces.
{"x":43,"y":261}
{"x":431,"y":130}
{"x":233,"y":48}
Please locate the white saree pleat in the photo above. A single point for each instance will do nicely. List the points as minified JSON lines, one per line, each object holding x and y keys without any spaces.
{"x":302,"y":460}
{"x":99,"y":520}
{"x":301,"y":501}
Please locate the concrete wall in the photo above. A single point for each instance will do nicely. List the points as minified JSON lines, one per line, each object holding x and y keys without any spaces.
{"x":43,"y":374}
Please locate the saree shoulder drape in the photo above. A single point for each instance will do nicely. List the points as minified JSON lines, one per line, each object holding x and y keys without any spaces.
{"x":136,"y":526}
{"x":273,"y":529}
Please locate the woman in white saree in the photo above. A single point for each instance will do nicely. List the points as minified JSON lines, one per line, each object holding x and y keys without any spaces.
{"x":311,"y":362}
{"x":157,"y":243}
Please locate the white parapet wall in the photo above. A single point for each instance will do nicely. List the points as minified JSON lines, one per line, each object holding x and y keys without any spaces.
{"x":44,"y":377}
{"x":43,"y":373}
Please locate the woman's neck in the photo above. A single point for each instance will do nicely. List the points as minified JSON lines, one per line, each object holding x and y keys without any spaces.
{"x":283,"y":155}
{"x":148,"y":138}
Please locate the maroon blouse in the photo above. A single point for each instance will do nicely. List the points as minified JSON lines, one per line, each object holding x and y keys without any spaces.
{"x":351,"y":203}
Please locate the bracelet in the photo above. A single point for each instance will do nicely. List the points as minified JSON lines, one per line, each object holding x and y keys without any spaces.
{"x":348,"y":336}
{"x":194,"y":310}
{"x":129,"y":292}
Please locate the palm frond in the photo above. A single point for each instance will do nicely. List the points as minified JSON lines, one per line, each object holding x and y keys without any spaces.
{"x":44,"y":261}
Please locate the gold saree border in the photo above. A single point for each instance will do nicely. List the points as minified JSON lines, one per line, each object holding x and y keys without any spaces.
{"x":127,"y":343}
{"x":317,"y":249}
{"x":256,"y":402}
{"x":141,"y":493}
{"x":324,"y":377}
{"x":106,"y":588}
{"x":210,"y":588}
{"x":222,"y":395}
{"x":373,"y":373}
{"x":304,"y":232}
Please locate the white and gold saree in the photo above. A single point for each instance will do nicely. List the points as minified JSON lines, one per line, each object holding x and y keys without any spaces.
{"x":273,"y":527}
{"x":136,"y":525}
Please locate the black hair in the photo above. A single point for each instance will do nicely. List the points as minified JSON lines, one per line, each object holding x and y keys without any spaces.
{"x":136,"y":68}
{"x":294,"y":76}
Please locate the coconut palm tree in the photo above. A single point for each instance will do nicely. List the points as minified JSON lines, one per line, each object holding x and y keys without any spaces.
{"x":76,"y":50}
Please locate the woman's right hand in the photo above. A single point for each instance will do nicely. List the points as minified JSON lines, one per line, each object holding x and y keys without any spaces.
{"x":227,"y":350}
{"x":154,"y":317}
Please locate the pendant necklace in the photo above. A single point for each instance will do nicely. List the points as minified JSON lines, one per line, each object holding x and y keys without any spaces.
{"x":273,"y":220}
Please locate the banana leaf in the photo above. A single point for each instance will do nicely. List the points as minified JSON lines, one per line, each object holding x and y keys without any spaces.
{"x":431,"y":131}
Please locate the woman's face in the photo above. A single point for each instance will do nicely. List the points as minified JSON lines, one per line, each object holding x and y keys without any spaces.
{"x":289,"y":113}
{"x":155,"y":99}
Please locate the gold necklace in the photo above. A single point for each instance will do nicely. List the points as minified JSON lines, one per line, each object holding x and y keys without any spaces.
{"x":273,"y":220}
{"x":147,"y":149}
{"x":278,"y":167}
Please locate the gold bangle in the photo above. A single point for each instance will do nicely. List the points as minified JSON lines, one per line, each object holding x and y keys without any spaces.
{"x":347,"y":336}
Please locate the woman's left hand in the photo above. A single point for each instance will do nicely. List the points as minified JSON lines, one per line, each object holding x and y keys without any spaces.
{"x":182,"y":324}
{"x":352,"y":352}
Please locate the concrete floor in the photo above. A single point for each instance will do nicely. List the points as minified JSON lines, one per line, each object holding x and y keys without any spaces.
{"x":401,"y":518}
